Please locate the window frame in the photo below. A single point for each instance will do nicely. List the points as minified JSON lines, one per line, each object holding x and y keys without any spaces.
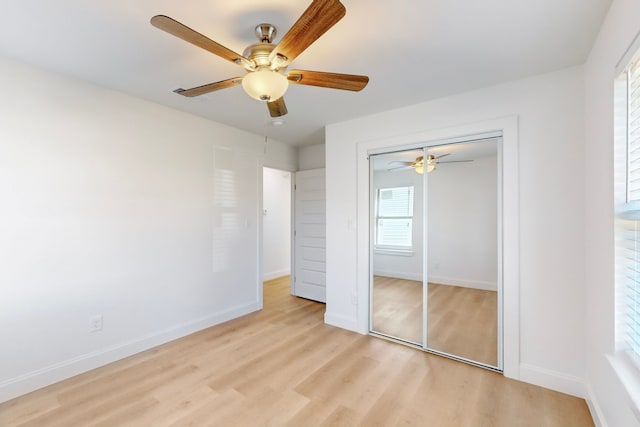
{"x":625,"y":360}
{"x":394,"y":249}
{"x":627,"y":212}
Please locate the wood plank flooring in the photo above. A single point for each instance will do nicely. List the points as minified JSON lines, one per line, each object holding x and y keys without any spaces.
{"x":461,"y":321}
{"x":283,"y":367}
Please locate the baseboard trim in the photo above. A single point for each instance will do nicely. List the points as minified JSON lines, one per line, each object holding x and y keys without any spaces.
{"x":275,"y":274}
{"x":343,"y":322}
{"x":594,"y":408}
{"x":473,"y":284}
{"x":553,"y":380}
{"x":31,"y":381}
{"x":398,"y":275}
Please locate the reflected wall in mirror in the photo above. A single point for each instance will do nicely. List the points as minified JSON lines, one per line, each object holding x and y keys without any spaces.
{"x":397,"y":219}
{"x":462,"y":308}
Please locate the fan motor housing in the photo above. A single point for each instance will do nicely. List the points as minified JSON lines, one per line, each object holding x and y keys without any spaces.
{"x":259,"y":53}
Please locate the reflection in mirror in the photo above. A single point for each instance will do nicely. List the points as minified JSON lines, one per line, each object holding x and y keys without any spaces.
{"x":462,"y":309}
{"x":397,"y":237}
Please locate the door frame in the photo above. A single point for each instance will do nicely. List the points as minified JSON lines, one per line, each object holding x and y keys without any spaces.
{"x":260,"y":215}
{"x":508,"y":126}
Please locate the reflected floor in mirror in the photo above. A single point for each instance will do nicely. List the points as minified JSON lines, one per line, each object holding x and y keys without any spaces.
{"x":462,"y":321}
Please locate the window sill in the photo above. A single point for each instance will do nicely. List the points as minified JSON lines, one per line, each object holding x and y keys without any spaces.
{"x":394,"y":252}
{"x":629,"y":376}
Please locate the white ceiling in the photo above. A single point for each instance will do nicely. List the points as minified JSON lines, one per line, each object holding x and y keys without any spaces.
{"x":413,"y":51}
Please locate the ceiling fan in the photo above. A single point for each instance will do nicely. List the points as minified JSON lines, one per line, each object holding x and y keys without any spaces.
{"x":419,"y":164}
{"x":266,"y":63}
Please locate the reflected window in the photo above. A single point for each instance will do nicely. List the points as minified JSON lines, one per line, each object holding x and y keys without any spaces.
{"x":394,"y":218}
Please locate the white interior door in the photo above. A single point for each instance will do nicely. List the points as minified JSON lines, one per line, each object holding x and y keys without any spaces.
{"x":309,"y":280}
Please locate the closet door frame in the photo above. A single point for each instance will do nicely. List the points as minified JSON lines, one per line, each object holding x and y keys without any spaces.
{"x":509,"y":317}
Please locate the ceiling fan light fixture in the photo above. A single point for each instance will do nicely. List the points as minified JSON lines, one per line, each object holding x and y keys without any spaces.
{"x":419,"y":164}
{"x":265,"y":84}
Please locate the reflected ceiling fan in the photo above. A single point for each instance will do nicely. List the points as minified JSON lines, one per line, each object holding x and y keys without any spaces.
{"x":266,"y":63}
{"x":419,"y":164}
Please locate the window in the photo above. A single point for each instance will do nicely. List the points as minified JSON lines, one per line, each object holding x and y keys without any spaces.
{"x":627,"y":206}
{"x":394,"y":218}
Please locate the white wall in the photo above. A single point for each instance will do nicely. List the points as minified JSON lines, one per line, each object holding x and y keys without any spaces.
{"x":311,"y":157}
{"x":551,"y":165}
{"x":606,"y":393}
{"x":401,"y":266}
{"x":463,"y":224}
{"x":116,"y":206}
{"x":276,"y":225}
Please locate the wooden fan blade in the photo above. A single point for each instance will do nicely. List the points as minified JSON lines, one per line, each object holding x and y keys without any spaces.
{"x":277,"y":108}
{"x":211,"y":87}
{"x":313,"y":23}
{"x":400,"y":162}
{"x":331,"y":80}
{"x":179,"y":30}
{"x":441,"y":156}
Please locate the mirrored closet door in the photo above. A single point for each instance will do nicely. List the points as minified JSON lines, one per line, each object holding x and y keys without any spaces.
{"x":435,"y":248}
{"x":397,"y":290}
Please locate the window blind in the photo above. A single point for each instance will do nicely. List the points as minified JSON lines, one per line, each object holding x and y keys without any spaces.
{"x":627,"y":224}
{"x":633,"y":131}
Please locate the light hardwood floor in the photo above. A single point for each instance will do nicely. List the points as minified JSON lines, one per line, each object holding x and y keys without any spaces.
{"x":284,"y":367}
{"x":461,"y":321}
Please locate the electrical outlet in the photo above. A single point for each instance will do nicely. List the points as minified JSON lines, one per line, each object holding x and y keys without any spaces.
{"x":354,"y":299}
{"x":96,"y":323}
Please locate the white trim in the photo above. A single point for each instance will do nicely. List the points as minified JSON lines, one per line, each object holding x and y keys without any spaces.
{"x":260,"y":237}
{"x":276,"y":274}
{"x":439,"y":141}
{"x":510,"y":248}
{"x":594,"y":408}
{"x":627,"y":374}
{"x":474,"y":284}
{"x":37,"y":379}
{"x":343,"y":322}
{"x":398,"y":275}
{"x":292,"y":281}
{"x":425,"y":254}
{"x":508,"y":126}
{"x":558,"y":381}
{"x":500,"y":247}
{"x":448,"y":281}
